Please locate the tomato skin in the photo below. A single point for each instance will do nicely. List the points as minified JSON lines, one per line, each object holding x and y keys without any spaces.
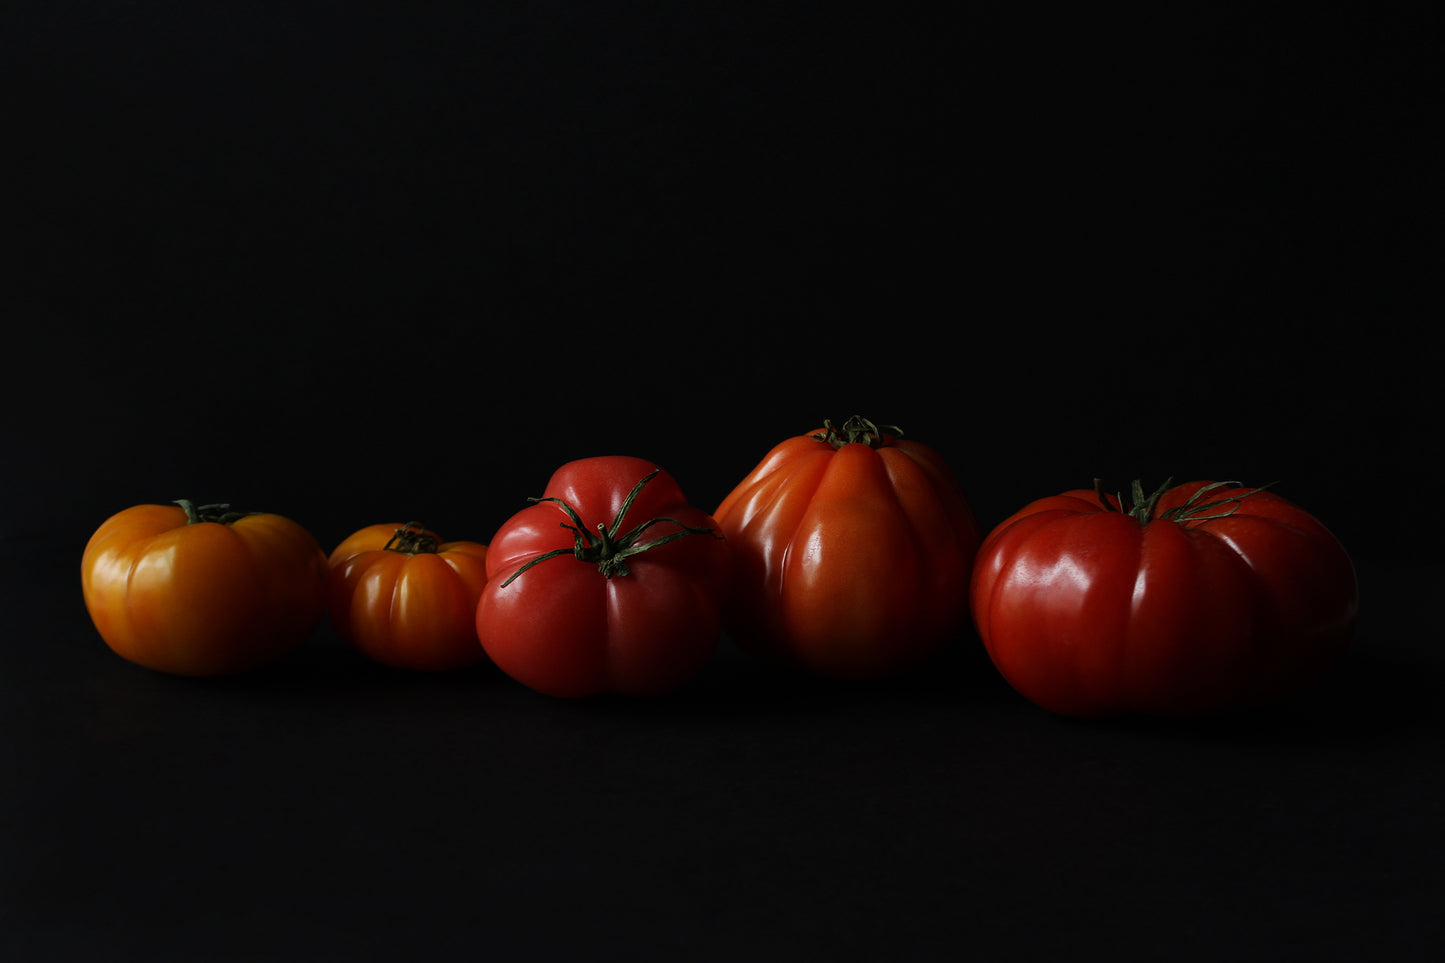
{"x":564,"y":629}
{"x":851,"y":562}
{"x":408,"y":610}
{"x":203,"y":599}
{"x":1089,"y":613}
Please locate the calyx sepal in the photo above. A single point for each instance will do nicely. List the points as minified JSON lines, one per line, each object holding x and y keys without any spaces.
{"x":1144,"y":507}
{"x":608,"y":549}
{"x":856,"y":430}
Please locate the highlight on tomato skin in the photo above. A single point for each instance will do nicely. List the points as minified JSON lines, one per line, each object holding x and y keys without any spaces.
{"x":1197,"y":599}
{"x":404,"y":598}
{"x":853,"y":549}
{"x":202,"y":590}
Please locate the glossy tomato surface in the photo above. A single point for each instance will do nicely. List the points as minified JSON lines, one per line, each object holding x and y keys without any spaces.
{"x":202,"y":592}
{"x":853,"y":551}
{"x":637,"y":614}
{"x":406,"y":599}
{"x":1218,"y":597}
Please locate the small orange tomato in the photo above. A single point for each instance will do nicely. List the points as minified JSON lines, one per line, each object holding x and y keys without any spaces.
{"x":406,"y":599}
{"x":202,"y":591}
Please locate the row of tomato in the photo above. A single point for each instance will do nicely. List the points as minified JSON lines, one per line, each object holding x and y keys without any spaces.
{"x":849,"y":552}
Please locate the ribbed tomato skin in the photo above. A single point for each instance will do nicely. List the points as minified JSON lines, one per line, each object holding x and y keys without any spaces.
{"x":1088,"y":612}
{"x":408,"y":610}
{"x":203,"y":599}
{"x":564,"y":629}
{"x":851,"y":561}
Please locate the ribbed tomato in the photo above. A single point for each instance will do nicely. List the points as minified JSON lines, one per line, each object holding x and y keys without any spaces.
{"x":406,"y":599}
{"x":852,"y":550}
{"x":202,"y":591}
{"x":1199,"y":598}
{"x":609,"y":582}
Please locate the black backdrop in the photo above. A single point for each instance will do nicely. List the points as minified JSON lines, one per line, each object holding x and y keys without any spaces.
{"x":375,"y":262}
{"x":364,"y":261}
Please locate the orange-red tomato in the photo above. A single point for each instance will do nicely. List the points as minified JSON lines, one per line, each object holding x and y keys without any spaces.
{"x":406,"y":599}
{"x":202,"y":591}
{"x":853,"y":551}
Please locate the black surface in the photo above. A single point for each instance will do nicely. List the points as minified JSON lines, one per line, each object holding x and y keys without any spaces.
{"x":370,"y":262}
{"x":329,"y":809}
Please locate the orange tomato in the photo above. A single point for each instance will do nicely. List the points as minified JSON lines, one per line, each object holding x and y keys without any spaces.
{"x":406,"y":599}
{"x":202,"y":591}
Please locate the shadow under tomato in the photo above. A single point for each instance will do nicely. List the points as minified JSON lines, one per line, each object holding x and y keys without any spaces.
{"x":736,"y":680}
{"x":1368,"y":697}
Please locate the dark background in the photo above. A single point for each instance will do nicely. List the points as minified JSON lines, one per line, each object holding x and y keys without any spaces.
{"x":363,"y":261}
{"x":376,"y":262}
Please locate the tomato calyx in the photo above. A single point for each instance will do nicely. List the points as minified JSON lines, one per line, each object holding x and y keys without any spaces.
{"x":856,"y":430}
{"x":220,"y":513}
{"x":1142,"y":507}
{"x":609,"y":550}
{"x":412,"y":539}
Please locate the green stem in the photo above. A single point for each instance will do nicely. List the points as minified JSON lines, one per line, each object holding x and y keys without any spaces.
{"x":856,"y":430}
{"x":1191,"y":512}
{"x":610,"y":551}
{"x":220,"y":513}
{"x":1142,"y":507}
{"x":412,"y":539}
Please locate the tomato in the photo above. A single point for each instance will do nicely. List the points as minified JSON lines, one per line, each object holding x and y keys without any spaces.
{"x":202,"y":591}
{"x":1200,"y":598}
{"x":632,"y":609}
{"x":853,"y":550}
{"x":406,"y":599}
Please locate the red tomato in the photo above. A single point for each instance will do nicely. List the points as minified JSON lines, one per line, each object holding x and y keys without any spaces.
{"x":202,"y":591}
{"x":610,"y":582}
{"x":852,"y":549}
{"x":1202,"y":597}
{"x":406,"y":599}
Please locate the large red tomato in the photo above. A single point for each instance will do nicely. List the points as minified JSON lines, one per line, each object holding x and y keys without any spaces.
{"x":406,"y":599}
{"x":1202,"y":597}
{"x":202,"y":591}
{"x":852,"y":549}
{"x":610,"y":582}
